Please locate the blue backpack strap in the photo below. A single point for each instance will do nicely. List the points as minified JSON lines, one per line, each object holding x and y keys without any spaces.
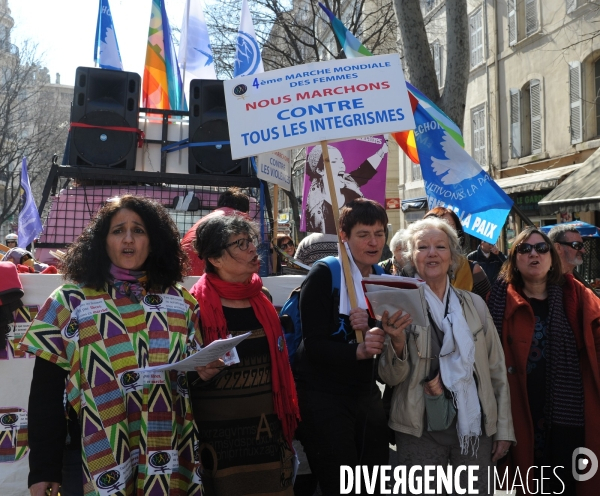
{"x":335,"y":268}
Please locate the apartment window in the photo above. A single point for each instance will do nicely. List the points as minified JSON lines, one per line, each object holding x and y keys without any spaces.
{"x":523,"y":20}
{"x":416,"y":172}
{"x":436,"y":52}
{"x":526,"y":119}
{"x":478,"y":134}
{"x":476,"y":35}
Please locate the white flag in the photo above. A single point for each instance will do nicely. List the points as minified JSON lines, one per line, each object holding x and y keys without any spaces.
{"x":195,"y":53}
{"x":247,"y":56}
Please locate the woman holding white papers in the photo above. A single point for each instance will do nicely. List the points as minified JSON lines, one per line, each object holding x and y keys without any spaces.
{"x":246,"y":408}
{"x":132,"y":432}
{"x":451,"y":403}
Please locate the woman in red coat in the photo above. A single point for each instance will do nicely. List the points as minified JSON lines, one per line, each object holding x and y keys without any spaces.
{"x":549,"y":325}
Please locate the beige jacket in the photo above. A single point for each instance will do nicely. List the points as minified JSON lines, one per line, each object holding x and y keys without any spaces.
{"x":408,"y":374}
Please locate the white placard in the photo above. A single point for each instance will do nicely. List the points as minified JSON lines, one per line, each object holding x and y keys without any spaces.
{"x":276,"y":168}
{"x":332,"y":100}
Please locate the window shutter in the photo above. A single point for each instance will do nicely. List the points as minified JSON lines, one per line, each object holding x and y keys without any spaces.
{"x":535,"y":98}
{"x":515,"y":123}
{"x":478,"y":135}
{"x":531,"y":16}
{"x":512,"y":22}
{"x":476,"y":35}
{"x":575,"y":98}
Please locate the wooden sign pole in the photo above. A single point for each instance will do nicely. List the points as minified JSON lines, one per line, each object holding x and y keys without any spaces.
{"x":275,"y":219}
{"x":336,"y":217}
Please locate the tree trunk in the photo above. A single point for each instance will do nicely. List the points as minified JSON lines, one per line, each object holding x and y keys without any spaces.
{"x":418,"y":60}
{"x":458,"y":61}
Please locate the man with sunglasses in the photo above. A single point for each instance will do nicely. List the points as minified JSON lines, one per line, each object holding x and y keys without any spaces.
{"x":569,"y":245}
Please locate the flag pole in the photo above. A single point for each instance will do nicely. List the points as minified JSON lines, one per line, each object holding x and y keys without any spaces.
{"x":275,"y":219}
{"x":336,"y":217}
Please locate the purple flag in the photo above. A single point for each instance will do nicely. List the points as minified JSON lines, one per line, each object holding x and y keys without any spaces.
{"x":30,"y":224}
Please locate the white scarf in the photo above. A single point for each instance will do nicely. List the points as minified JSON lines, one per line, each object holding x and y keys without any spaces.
{"x":456,"y":368}
{"x":357,"y":278}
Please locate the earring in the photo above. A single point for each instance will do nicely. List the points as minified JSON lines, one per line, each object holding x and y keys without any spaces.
{"x":515,"y":269}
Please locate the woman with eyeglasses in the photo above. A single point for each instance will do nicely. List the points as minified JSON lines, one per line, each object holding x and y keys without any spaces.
{"x":451,"y":404}
{"x":246,"y":409}
{"x":549,"y":325}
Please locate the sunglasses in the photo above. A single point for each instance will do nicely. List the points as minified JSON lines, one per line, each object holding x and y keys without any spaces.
{"x":576,"y":245}
{"x":540,"y":248}
{"x":283,"y":246}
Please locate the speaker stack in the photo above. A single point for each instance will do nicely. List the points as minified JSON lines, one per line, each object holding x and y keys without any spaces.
{"x":208,"y":123}
{"x":106,"y":99}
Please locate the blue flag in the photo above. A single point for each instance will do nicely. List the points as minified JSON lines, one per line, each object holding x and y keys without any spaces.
{"x":30,"y":224}
{"x":454,"y":180}
{"x":248,"y":60}
{"x":106,"y":48}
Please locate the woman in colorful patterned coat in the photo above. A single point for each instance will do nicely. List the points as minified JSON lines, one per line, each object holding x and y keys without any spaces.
{"x":124,"y":311}
{"x":246,"y":409}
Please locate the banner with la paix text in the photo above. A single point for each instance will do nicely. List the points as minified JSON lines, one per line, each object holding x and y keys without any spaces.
{"x":322,"y":101}
{"x":453,"y":179}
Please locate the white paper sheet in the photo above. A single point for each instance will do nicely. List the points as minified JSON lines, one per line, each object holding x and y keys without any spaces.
{"x":204,"y":356}
{"x":411,"y":301}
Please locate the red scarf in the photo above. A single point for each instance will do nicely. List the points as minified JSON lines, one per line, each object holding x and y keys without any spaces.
{"x":209,"y":290}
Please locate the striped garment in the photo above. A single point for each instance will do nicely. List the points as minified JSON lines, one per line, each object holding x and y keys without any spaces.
{"x":138,"y":432}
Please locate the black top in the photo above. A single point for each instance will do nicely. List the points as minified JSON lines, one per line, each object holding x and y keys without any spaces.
{"x":47,"y":425}
{"x":536,"y":375}
{"x":326,"y":359}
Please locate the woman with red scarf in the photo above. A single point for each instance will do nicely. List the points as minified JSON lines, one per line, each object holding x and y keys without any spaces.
{"x":246,"y":409}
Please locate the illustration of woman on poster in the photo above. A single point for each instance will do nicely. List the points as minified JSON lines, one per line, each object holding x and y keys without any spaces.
{"x":318,"y":211}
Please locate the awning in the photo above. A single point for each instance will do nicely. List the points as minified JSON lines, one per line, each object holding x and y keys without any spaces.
{"x":536,"y":181}
{"x":580,"y":192}
{"x":414,"y":204}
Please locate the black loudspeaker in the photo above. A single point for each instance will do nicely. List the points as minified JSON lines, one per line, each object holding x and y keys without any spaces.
{"x":208,"y":123}
{"x":104,"y":98}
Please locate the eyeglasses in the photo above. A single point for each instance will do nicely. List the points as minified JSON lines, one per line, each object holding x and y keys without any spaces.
{"x":540,"y":248}
{"x":284,"y":246}
{"x":576,"y":245}
{"x":242,"y":243}
{"x":429,"y":358}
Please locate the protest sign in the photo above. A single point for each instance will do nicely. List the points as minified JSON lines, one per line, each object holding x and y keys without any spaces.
{"x":359,"y":168}
{"x":300,"y":105}
{"x":276,"y":168}
{"x":454,"y":180}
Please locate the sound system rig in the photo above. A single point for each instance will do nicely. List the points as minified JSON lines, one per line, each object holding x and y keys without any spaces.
{"x":106,"y":105}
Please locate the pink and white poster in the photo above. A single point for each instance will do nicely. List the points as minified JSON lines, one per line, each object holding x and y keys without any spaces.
{"x":359,"y":168}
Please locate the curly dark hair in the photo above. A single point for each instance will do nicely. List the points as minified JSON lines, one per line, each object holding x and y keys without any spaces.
{"x":509,"y":271}
{"x":87,"y":261}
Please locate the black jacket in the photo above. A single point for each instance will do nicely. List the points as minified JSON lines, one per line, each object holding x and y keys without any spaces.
{"x":491,"y":265}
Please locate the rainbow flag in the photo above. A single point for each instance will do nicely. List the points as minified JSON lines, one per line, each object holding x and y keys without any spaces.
{"x":353,"y":48}
{"x":162,"y":87}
